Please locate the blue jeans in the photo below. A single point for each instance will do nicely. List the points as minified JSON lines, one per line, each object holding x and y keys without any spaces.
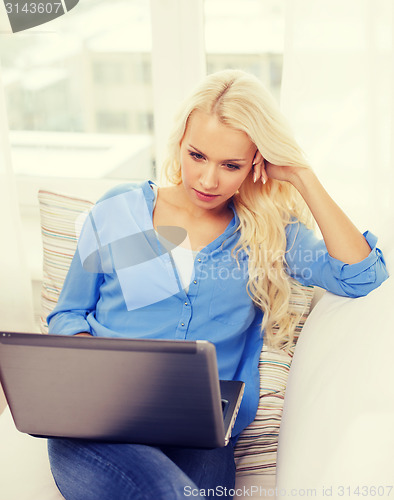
{"x":85,"y":470}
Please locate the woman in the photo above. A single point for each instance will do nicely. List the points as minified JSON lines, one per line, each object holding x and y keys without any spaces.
{"x":238,"y":202}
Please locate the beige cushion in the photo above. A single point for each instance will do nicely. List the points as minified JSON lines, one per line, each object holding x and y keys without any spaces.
{"x":60,"y":219}
{"x":256,"y":449}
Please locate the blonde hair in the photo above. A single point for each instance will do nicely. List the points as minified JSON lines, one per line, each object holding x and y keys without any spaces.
{"x":240,"y":101}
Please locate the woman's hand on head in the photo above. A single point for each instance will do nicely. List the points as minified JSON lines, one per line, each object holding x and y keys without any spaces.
{"x":279,"y":172}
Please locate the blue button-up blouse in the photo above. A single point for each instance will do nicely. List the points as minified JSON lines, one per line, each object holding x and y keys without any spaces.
{"x":122,"y":282}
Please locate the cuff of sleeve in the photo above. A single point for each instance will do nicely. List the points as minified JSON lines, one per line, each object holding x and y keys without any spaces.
{"x":348,"y":271}
{"x":65,"y":326}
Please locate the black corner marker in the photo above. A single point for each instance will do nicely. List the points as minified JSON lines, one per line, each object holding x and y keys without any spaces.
{"x":24,"y":14}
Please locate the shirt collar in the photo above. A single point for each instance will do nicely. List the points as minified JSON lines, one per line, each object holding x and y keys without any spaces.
{"x":228,"y":234}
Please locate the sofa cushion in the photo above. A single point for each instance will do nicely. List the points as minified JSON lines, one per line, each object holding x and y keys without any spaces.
{"x":61,"y":218}
{"x":256,"y":449}
{"x":24,"y":465}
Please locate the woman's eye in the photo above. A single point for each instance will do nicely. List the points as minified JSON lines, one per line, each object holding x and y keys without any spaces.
{"x":231,"y":166}
{"x":195,"y":155}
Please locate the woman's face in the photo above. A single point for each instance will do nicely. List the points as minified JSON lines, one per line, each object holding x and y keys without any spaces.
{"x":215,"y":161}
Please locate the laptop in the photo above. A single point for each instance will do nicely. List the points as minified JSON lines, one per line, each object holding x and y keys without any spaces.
{"x":156,"y":392}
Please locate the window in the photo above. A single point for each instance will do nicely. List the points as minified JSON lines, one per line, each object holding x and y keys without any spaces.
{"x":248,"y":35}
{"x":85,"y":73}
{"x":112,"y":121}
{"x":109,"y":72}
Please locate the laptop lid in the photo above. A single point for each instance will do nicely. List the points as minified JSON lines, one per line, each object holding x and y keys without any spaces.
{"x":122,"y":390}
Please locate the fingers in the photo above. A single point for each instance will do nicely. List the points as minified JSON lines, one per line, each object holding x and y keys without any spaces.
{"x":259,"y":168}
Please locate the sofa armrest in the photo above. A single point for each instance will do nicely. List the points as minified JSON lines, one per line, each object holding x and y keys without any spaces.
{"x":339,"y":406}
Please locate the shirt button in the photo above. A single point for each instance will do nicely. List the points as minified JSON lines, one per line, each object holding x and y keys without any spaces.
{"x":182,"y":324}
{"x":198,"y":260}
{"x":186,"y":304}
{"x":195,"y":282}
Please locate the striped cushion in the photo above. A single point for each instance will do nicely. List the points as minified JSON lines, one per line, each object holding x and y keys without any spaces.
{"x":60,"y":218}
{"x":256,"y":449}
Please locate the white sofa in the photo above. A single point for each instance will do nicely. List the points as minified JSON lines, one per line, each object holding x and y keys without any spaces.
{"x":337,"y":431}
{"x":327,"y":412}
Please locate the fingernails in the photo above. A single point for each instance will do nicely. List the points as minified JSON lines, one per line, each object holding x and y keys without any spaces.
{"x":254,"y":177}
{"x":263,"y":180}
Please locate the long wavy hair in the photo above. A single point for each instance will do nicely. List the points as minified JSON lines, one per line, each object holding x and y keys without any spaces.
{"x":241,"y":101}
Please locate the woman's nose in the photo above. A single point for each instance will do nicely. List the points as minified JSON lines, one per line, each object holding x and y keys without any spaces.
{"x":209,"y":178}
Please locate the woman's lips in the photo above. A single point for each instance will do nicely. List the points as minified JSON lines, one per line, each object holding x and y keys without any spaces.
{"x":205,"y":196}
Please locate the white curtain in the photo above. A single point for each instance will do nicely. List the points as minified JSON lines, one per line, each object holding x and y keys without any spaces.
{"x":16,"y":304}
{"x":338,"y":86}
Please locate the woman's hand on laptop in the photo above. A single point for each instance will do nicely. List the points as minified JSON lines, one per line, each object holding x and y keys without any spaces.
{"x":83,"y":334}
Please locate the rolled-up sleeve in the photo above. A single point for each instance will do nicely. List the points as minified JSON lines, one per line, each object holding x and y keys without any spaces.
{"x":309,"y":262}
{"x":81,"y":288}
{"x":77,"y":300}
